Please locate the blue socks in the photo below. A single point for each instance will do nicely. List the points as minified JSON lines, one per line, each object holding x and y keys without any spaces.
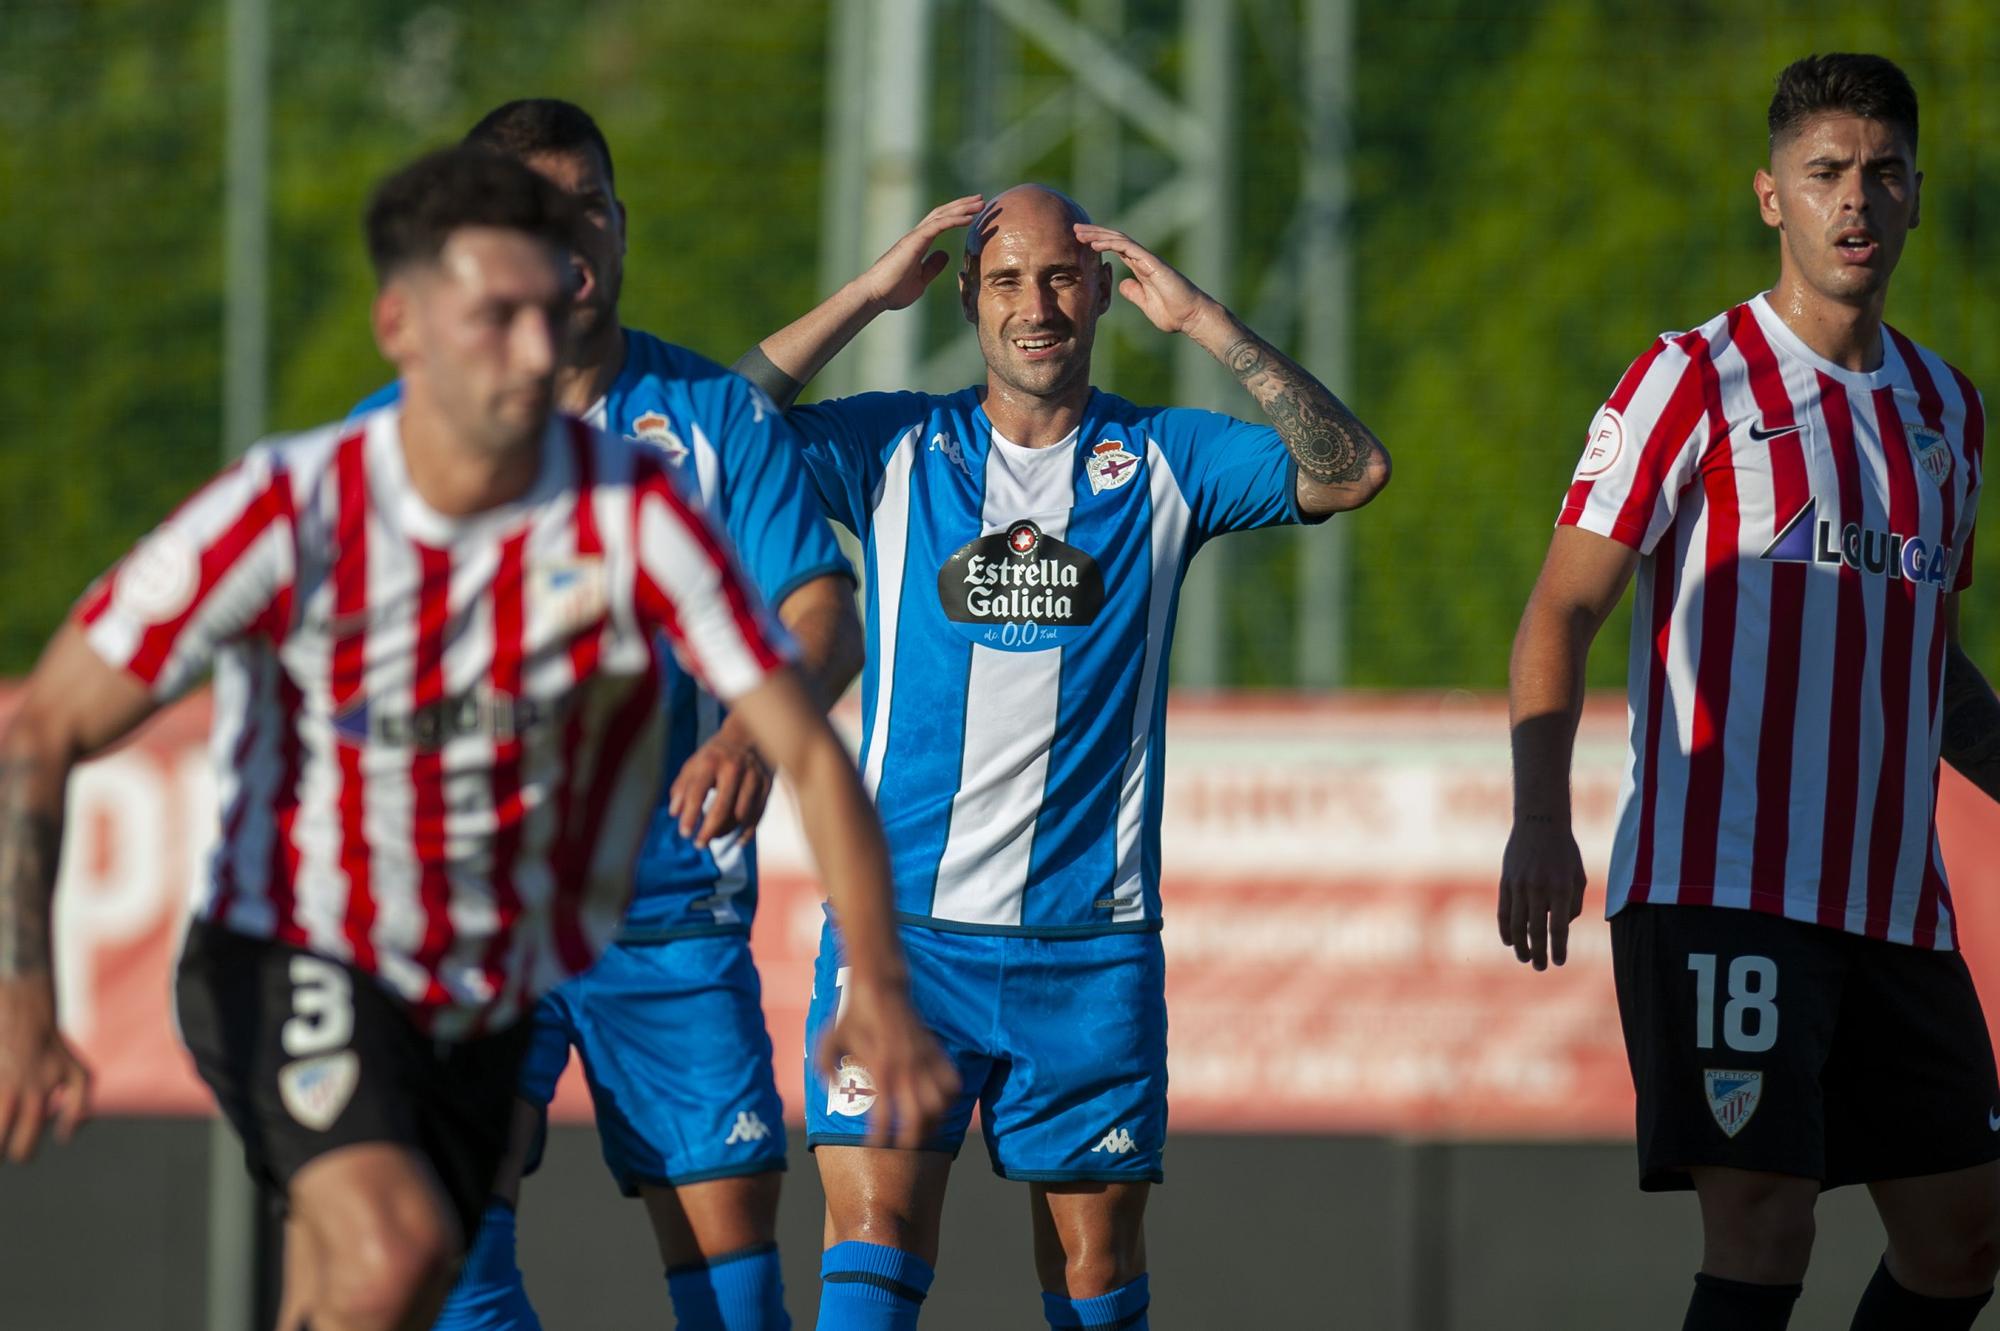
{"x":735,"y":1291}
{"x":870,"y":1287}
{"x":1123,"y":1308}
{"x":489,"y":1295}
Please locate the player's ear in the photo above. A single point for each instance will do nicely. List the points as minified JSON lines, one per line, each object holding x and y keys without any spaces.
{"x":1765,"y":186}
{"x":968,"y":293}
{"x":624,"y":226}
{"x":1103,"y":287}
{"x":1916,"y":198}
{"x":389,"y":317}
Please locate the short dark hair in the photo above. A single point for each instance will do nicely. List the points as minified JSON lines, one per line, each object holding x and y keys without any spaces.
{"x":1858,"y":85}
{"x":532,"y":125}
{"x":415,"y":210}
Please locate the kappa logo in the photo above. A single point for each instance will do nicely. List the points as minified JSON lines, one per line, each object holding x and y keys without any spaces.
{"x":1109,"y":466}
{"x":953,"y":453}
{"x":315,"y":1090}
{"x":1116,"y":1142}
{"x":653,"y":428}
{"x":1732,"y":1097}
{"x":1810,"y":539}
{"x":1933,"y":453}
{"x":851,"y":1092}
{"x":748,"y":1128}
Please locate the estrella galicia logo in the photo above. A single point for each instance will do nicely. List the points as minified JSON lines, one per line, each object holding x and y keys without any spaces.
{"x":428,"y":729}
{"x":1809,"y":539}
{"x":1020,"y":589}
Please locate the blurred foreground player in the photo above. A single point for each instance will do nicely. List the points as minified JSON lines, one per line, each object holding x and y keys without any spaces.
{"x":669,"y":1024}
{"x":433,"y":636}
{"x":1026,"y":540}
{"x":1795,"y":483}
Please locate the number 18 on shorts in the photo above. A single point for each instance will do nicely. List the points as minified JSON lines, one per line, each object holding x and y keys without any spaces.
{"x":1763,"y":1043}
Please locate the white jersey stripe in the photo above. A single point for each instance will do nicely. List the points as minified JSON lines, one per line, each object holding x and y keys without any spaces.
{"x":889,"y":523}
{"x":1004,"y":761}
{"x":1168,"y":533}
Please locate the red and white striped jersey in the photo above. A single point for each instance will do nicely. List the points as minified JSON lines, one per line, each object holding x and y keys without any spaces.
{"x":1801,"y":525}
{"x":438,"y":738}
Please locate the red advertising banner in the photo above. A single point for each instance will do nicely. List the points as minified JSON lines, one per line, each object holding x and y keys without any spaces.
{"x":1333,"y":962}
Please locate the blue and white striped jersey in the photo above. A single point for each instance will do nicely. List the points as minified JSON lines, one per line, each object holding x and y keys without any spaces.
{"x":1020,"y":603}
{"x":733,"y":450}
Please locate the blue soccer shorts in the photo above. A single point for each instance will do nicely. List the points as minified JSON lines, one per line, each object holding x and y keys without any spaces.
{"x":675,"y":1050}
{"x":1060,"y":1042}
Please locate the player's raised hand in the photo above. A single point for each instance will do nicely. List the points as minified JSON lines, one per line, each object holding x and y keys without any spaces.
{"x":721,"y":788}
{"x":41,"y":1078}
{"x":895,"y":280}
{"x":1156,"y":287}
{"x":914,"y":1082}
{"x":1541,"y":891}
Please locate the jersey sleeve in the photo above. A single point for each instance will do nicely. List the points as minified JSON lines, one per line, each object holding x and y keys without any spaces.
{"x":220,"y":569}
{"x":846,"y":442}
{"x":691,"y":587}
{"x":769,"y":510}
{"x":1235,"y":475}
{"x":1975,"y":454}
{"x":1641,"y":451}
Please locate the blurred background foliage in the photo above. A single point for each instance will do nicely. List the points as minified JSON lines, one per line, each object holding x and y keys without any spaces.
{"x":1538,"y":188}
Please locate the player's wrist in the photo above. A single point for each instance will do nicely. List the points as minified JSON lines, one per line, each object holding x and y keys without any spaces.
{"x":1212,"y":326}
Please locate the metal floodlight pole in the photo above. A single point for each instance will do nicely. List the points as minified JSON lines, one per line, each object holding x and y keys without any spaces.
{"x":1327,"y":75}
{"x":1209,"y":34}
{"x":234,"y":1245}
{"x":895,"y":133}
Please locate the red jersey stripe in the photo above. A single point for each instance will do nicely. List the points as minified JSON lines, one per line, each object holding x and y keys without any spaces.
{"x":1844,"y":719}
{"x":1702,"y":814}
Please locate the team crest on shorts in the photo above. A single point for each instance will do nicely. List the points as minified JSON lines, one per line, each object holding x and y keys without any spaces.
{"x":1933,"y":453}
{"x":1109,"y":466}
{"x":1732,"y":1097}
{"x":653,"y":428}
{"x":851,"y":1090}
{"x":315,"y":1090}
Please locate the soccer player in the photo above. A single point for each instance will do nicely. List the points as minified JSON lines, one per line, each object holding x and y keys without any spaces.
{"x":434,"y":642}
{"x":1795,"y":484}
{"x":669,"y":1025}
{"x":1026,"y":540}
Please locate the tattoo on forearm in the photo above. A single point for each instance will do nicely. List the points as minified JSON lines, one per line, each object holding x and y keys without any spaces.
{"x":1971,"y":722}
{"x":1330,"y":444}
{"x":29,"y":839}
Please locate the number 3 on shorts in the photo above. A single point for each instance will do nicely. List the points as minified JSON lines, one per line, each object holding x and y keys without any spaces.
{"x":1753,"y":990}
{"x":323,"y":1008}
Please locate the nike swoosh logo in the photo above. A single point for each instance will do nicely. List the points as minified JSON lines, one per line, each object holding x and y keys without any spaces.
{"x":1760,"y":435}
{"x":1992,"y":1121}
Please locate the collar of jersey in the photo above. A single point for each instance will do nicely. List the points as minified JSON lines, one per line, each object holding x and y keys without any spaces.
{"x":423,"y":523}
{"x":1778,"y":331}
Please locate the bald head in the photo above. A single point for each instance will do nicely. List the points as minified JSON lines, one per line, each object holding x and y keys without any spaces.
{"x":1022,"y":207}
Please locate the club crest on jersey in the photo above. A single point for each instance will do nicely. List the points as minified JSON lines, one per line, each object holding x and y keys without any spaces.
{"x":1109,"y":466}
{"x":1933,"y":453}
{"x":1020,"y":589}
{"x":851,"y":1090}
{"x":655,"y":429}
{"x":1810,"y":539}
{"x":571,"y":595}
{"x":1603,"y":445}
{"x":315,"y":1090}
{"x":1732,"y":1097}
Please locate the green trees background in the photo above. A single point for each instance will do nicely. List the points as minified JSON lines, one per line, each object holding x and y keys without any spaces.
{"x":1540,"y":187}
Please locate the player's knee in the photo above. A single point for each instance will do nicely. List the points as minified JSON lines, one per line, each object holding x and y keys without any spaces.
{"x":1964,"y":1255}
{"x":1102,"y":1262}
{"x":383,"y":1272}
{"x":1763,"y":1236}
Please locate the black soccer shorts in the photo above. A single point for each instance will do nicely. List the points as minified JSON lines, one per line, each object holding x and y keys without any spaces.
{"x":1763,"y":1043}
{"x":306,"y":1055}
